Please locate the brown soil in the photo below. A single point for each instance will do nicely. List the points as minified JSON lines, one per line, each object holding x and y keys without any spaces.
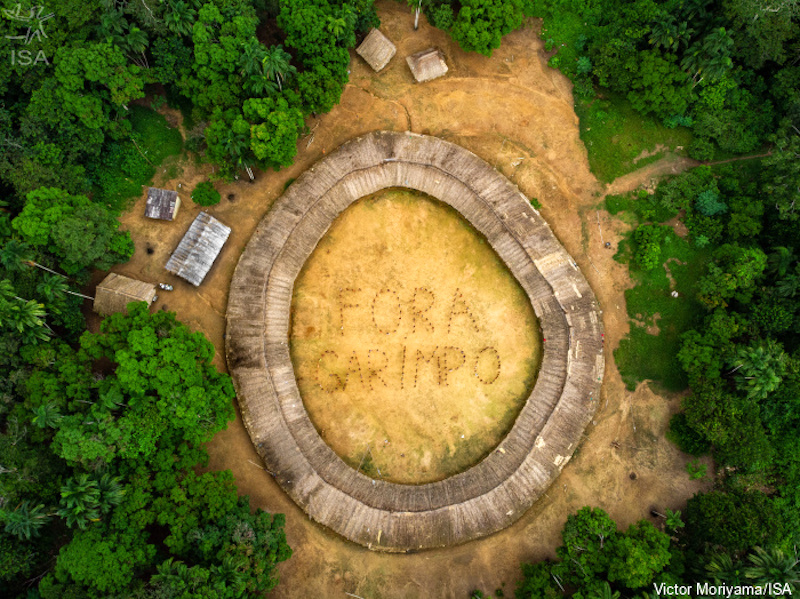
{"x":414,"y":347}
{"x":516,"y":113}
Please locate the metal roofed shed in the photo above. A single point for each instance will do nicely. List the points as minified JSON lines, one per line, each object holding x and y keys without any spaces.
{"x":115,"y":292}
{"x":162,"y":204}
{"x":427,"y":65}
{"x":198,"y":249}
{"x":376,"y":49}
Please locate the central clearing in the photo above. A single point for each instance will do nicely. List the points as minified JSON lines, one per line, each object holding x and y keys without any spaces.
{"x":413,"y":345}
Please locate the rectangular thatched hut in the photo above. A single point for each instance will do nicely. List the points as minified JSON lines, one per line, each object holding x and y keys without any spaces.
{"x":162,"y":204}
{"x":427,"y":65}
{"x":115,"y":292}
{"x":376,"y":49}
{"x":198,"y":249}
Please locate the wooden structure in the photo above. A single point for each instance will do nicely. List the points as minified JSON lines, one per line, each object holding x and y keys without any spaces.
{"x":376,"y":49}
{"x":162,"y":204}
{"x":198,"y":249}
{"x":427,"y":65}
{"x":115,"y":292}
{"x":495,"y":492}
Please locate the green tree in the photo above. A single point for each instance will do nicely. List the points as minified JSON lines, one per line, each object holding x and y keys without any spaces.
{"x":80,"y":233}
{"x":586,"y":535}
{"x":764,"y":29}
{"x":481,"y":24}
{"x":204,"y":194}
{"x":758,"y":521}
{"x":734,"y":271}
{"x":164,"y":391}
{"x":275,"y":128}
{"x":782,"y":181}
{"x":637,"y":556}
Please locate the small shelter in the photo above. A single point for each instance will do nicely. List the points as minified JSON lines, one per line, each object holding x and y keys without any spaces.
{"x":376,"y":49}
{"x":198,"y":249}
{"x":115,"y":292}
{"x":427,"y":65}
{"x":162,"y":204}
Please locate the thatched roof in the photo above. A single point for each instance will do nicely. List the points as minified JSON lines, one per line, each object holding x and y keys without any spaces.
{"x":427,"y":65}
{"x":376,"y":49}
{"x":115,"y":292}
{"x":162,"y":203}
{"x":497,"y":491}
{"x":198,"y":249}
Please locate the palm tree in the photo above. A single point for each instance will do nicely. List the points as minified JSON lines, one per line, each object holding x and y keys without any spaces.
{"x":664,"y":33}
{"x":25,"y":521}
{"x":14,"y":255}
{"x":113,"y":26}
{"x":25,"y":316}
{"x":111,"y":492}
{"x":780,"y":260}
{"x":178,"y":576}
{"x":604,"y":592}
{"x":259,"y":85}
{"x":789,"y":286}
{"x":673,"y":520}
{"x":773,"y":565}
{"x":180,"y":17}
{"x":721,"y":569}
{"x":229,"y":574}
{"x":235,"y":146}
{"x":761,"y":368}
{"x":80,"y":501}
{"x":275,"y":64}
{"x":136,"y":41}
{"x":252,"y":58}
{"x":47,"y":415}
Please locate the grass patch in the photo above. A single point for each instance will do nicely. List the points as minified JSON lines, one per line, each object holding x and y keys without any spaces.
{"x":615,"y":135}
{"x":637,"y":206}
{"x":565,"y":34}
{"x":118,"y":174}
{"x":154,"y":136}
{"x":645,"y":356}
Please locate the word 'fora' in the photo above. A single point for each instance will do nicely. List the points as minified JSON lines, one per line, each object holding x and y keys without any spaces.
{"x":389,"y":314}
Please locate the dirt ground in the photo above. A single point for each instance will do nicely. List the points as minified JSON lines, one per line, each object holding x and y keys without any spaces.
{"x":414,"y":347}
{"x":516,"y":113}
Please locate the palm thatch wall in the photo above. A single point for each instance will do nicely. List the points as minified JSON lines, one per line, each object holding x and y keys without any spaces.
{"x":427,"y":65}
{"x":490,"y":495}
{"x":376,"y":49}
{"x":115,"y":292}
{"x":198,"y":249}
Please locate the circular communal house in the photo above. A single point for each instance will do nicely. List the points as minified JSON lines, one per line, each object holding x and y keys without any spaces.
{"x":490,"y":495}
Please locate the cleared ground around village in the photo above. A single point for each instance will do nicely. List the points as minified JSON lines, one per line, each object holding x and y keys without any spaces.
{"x":517,"y":114}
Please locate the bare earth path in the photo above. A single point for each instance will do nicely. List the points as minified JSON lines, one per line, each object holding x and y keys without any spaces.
{"x":516,"y":113}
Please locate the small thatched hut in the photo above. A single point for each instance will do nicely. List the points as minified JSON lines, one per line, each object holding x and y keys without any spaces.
{"x":162,"y":204}
{"x":198,"y":249}
{"x":115,"y":292}
{"x":376,"y":49}
{"x":427,"y":65}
